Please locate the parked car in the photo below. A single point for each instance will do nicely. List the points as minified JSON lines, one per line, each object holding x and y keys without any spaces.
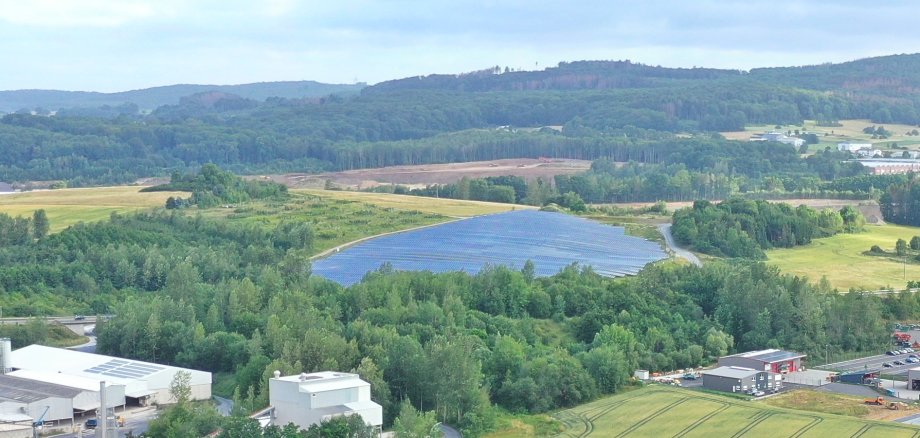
{"x":890,"y":353}
{"x":898,"y":362}
{"x":79,"y":317}
{"x":91,"y":423}
{"x":757,"y":393}
{"x":912,"y":360}
{"x":887,"y":364}
{"x":909,"y":350}
{"x":689,"y":376}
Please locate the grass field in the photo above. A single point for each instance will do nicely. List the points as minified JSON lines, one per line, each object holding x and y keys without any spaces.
{"x":440,"y":206}
{"x":830,"y":136}
{"x":335,"y":220}
{"x":658,"y":411}
{"x":840,"y":259}
{"x":68,"y":206}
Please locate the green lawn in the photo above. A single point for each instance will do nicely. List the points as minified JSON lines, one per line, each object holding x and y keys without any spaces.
{"x":659,"y":411}
{"x":66,"y":207}
{"x":840,"y":258}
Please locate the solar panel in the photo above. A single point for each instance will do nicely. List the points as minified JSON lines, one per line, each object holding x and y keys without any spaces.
{"x":125,"y":369}
{"x":551,"y":240}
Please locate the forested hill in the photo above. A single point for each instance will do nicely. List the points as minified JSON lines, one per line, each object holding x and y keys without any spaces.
{"x":892,"y":75}
{"x":620,"y":111}
{"x":151,"y":98}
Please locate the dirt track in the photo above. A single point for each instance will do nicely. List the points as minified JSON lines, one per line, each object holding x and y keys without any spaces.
{"x":423,"y":175}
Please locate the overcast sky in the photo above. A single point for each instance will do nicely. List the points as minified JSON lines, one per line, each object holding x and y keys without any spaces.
{"x":116,"y":45}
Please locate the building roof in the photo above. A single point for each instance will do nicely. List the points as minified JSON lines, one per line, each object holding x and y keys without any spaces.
{"x":21,"y":390}
{"x":324,"y":381}
{"x":769,"y":356}
{"x":95,"y":366}
{"x":76,"y":382}
{"x":731,"y":372}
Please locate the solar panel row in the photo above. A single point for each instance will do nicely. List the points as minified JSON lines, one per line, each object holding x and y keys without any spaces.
{"x":124,"y":368}
{"x":551,"y":240}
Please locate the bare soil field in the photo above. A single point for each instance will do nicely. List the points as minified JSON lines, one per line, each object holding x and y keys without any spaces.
{"x":427,"y":174}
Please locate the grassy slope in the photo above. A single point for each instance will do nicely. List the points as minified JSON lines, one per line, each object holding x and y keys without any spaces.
{"x":69,"y":206}
{"x":840,"y":258}
{"x":665,"y":411}
{"x":440,"y":206}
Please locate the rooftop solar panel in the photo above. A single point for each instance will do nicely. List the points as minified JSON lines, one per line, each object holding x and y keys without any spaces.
{"x":125,"y":369}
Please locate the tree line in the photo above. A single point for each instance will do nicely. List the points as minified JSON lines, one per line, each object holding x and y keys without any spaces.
{"x":742,"y":228}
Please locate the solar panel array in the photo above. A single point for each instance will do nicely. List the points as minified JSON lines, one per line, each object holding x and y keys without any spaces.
{"x":551,"y":240}
{"x":125,"y":369}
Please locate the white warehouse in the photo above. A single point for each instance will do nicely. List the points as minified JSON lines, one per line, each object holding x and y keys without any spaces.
{"x":312,"y":398}
{"x":144,"y":382}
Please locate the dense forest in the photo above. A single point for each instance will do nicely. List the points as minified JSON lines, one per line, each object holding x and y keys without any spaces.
{"x":240,"y":300}
{"x":615,"y":110}
{"x":741,"y":228}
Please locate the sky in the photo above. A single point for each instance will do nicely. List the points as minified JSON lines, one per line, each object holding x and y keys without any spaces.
{"x":118,"y":45}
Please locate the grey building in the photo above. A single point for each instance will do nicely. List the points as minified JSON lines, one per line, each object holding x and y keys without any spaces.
{"x":740,"y":379}
{"x":27,"y":397}
{"x":775,"y":361}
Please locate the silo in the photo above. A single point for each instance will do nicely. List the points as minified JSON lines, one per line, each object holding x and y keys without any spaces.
{"x":6,"y":355}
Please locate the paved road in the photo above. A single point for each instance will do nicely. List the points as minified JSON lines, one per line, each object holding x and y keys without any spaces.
{"x":88,"y":347}
{"x":224,"y":406}
{"x":450,"y":432}
{"x":665,"y":230}
{"x":137,"y":420}
{"x":874,"y":363}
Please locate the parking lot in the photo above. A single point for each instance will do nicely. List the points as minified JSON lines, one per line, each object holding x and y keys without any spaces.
{"x":873,"y":363}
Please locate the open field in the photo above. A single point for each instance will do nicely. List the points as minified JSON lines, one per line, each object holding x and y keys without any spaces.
{"x":335,"y":221}
{"x":427,"y":174}
{"x":840,"y":259}
{"x":66,"y":207}
{"x":660,"y":411}
{"x":440,"y":206}
{"x":850,"y":131}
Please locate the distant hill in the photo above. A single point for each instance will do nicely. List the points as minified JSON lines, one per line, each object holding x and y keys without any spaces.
{"x":151,"y":98}
{"x":890,"y":75}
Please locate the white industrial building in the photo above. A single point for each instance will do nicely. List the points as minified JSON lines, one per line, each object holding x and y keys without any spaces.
{"x":312,"y":398}
{"x":852,"y":147}
{"x":778,"y":137}
{"x":144,"y":382}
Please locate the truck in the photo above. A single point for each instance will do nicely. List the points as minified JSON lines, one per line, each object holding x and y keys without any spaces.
{"x":879,"y":401}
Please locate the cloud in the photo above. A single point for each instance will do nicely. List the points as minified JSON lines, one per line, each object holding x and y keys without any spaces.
{"x":118,"y":44}
{"x":86,"y":13}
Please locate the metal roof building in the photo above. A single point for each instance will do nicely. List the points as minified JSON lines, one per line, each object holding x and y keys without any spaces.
{"x":740,"y":379}
{"x":26,"y":397}
{"x":144,"y":382}
{"x":773,"y":360}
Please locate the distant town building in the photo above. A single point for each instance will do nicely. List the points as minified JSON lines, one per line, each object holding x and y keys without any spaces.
{"x":309,"y":399}
{"x":852,"y":147}
{"x":778,"y":137}
{"x":891,"y":166}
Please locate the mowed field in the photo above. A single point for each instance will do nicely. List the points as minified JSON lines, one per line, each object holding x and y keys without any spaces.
{"x":658,"y":411}
{"x":829,"y":136}
{"x":840,"y":258}
{"x":440,"y":206}
{"x":66,"y":207}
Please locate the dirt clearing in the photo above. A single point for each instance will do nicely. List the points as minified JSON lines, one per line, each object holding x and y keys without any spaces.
{"x":428,"y":174}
